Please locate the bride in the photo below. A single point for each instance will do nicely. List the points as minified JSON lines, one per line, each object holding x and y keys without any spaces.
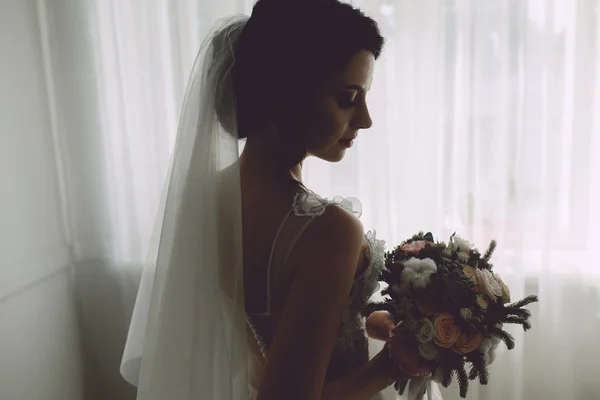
{"x":256,"y":286}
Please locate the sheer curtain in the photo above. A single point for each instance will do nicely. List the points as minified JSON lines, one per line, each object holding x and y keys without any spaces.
{"x":487,"y":122}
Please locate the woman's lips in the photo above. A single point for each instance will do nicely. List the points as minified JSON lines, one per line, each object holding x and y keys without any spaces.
{"x":347,"y":142}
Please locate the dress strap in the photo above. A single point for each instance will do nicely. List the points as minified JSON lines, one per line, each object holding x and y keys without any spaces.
{"x":305,"y":204}
{"x":267,"y":312}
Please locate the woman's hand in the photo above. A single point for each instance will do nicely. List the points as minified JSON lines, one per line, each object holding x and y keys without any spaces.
{"x":380,"y":372}
{"x":379,"y":324}
{"x":387,"y":368}
{"x":401,"y":351}
{"x":404,"y":351}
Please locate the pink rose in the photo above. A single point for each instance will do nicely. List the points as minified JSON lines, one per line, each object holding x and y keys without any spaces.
{"x":415,"y":247}
{"x":487,"y":284}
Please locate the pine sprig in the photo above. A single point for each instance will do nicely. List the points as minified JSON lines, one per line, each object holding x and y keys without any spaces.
{"x":506,"y":337}
{"x":478,"y":368}
{"x":488,"y":253}
{"x":517,"y":312}
{"x":463,"y":381}
{"x":512,"y":319}
{"x":447,"y":377}
{"x":524,"y":302}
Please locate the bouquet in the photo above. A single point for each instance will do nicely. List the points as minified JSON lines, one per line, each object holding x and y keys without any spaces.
{"x":451,"y":307}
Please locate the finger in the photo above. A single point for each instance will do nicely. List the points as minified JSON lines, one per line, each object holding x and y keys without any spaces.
{"x":406,"y":355}
{"x":379,"y":324}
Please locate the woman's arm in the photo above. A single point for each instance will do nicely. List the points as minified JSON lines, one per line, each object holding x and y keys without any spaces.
{"x":324,"y":263}
{"x":363,"y":383}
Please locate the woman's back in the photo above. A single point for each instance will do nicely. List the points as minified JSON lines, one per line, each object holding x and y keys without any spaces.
{"x":264,"y":208}
{"x":281,"y":225}
{"x":300,"y":89}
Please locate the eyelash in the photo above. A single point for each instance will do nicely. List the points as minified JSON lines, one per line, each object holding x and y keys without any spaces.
{"x":348,"y":100}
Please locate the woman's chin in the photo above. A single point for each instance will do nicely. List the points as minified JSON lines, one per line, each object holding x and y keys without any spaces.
{"x":333,"y":155}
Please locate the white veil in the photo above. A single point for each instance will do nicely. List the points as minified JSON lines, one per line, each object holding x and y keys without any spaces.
{"x":187,"y":338}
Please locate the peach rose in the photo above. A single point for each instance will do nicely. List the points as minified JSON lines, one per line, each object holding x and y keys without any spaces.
{"x":415,"y":247}
{"x":446,"y":331}
{"x":467,"y":342}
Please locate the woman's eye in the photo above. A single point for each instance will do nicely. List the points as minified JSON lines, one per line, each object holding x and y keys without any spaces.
{"x":348,"y":99}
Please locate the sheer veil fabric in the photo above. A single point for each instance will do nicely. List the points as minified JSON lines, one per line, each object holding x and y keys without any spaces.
{"x":187,"y":337}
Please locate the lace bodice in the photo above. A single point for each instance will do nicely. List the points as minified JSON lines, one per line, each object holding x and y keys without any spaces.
{"x":351,"y":347}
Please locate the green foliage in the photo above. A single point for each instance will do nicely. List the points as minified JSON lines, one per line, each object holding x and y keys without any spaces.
{"x":501,"y":334}
{"x":463,"y":381}
{"x":478,"y":368}
{"x":488,"y":254}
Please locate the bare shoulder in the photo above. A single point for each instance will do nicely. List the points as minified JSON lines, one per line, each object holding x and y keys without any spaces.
{"x":324,"y":262}
{"x":332,"y":239}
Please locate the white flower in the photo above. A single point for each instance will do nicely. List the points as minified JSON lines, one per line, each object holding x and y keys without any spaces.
{"x":461,"y":244}
{"x":417,"y":273}
{"x":466,"y":314}
{"x":463,"y":257}
{"x":426,"y":331}
{"x":488,"y":349}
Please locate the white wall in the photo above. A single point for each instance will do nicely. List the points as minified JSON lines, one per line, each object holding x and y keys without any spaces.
{"x":40,"y":356}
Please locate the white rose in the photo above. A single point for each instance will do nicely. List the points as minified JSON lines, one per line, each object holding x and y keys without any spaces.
{"x":417,"y":273}
{"x":489,"y":285}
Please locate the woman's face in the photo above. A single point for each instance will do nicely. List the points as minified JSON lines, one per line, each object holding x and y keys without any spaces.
{"x":342,"y":109}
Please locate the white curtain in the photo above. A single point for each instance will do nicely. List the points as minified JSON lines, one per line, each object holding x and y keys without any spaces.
{"x":487,"y":122}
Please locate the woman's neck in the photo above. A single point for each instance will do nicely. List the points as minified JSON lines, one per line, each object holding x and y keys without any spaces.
{"x":259,"y":158}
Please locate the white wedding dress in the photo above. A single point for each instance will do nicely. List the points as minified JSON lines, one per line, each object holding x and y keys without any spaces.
{"x":351,"y":348}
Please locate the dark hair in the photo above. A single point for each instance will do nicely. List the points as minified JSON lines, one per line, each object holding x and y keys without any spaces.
{"x":287,"y":51}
